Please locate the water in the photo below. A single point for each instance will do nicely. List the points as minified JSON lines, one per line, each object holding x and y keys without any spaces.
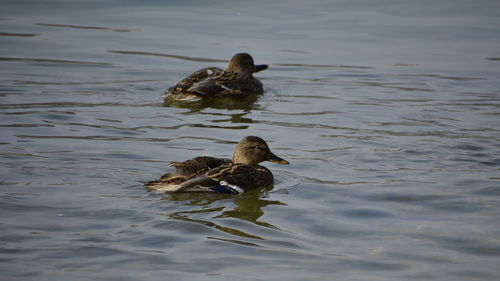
{"x":387,"y":111}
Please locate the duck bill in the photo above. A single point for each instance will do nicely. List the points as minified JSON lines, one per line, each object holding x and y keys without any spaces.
{"x":277,"y":159}
{"x":261,"y":67}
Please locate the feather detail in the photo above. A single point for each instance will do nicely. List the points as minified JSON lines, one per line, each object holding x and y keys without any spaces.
{"x":167,"y":188}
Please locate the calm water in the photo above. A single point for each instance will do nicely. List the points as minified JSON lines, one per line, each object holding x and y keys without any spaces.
{"x":388,"y":112}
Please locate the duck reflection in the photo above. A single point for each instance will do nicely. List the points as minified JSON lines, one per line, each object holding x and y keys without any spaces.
{"x":244,"y":103}
{"x":229,"y":107}
{"x":250,"y":210}
{"x":248,"y":207}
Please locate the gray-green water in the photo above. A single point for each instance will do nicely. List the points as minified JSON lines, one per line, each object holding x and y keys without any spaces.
{"x":388,"y":112}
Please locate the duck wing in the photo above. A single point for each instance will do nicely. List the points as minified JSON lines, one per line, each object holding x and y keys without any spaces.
{"x":198,"y":166}
{"x":188,"y":82}
{"x":207,"y":87}
{"x":228,"y":83}
{"x":232,"y":179}
{"x":185,"y":171}
{"x":166,"y":180}
{"x":243,"y":176}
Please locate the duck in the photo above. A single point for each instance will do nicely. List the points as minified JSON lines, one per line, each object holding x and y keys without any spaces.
{"x":220,"y":175}
{"x":236,"y":80}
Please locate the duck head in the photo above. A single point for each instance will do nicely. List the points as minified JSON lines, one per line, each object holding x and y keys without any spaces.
{"x":242,"y":63}
{"x":252,"y":150}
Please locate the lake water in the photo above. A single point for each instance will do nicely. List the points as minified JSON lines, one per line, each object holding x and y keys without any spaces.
{"x":388,"y":112}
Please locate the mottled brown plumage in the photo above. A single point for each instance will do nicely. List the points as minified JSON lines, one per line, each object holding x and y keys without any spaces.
{"x":198,"y":165}
{"x":210,"y":174}
{"x":236,"y":80}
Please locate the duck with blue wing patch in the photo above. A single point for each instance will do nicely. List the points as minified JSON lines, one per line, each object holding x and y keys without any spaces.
{"x":219,"y":175}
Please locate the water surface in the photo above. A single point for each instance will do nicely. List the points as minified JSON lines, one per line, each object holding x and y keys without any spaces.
{"x":387,"y":111}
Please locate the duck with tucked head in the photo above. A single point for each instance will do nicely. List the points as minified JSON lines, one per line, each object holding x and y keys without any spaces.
{"x":236,"y":80}
{"x":210,"y":174}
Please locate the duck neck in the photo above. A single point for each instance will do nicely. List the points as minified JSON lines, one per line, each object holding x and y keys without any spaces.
{"x":241,"y":159}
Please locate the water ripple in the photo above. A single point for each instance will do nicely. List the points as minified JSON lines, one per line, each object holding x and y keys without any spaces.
{"x":394,"y":153}
{"x":85,"y":27}
{"x":38,"y":60}
{"x":18,"y":34}
{"x":186,"y":58}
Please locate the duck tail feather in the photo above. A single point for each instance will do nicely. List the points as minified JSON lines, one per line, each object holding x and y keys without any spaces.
{"x":164,"y":188}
